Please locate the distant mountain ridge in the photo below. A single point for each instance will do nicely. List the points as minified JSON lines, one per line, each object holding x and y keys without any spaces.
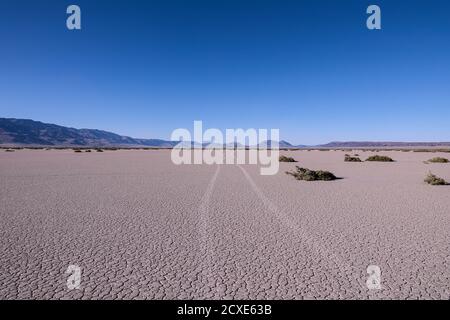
{"x":368,"y":144}
{"x":30,"y":132}
{"x":25,"y":132}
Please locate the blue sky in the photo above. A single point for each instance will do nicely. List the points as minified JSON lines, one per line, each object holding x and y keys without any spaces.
{"x":310,"y":68}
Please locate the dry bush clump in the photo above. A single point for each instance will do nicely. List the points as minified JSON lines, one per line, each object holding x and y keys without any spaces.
{"x":311,"y":175}
{"x":349,"y":158}
{"x":438,"y":160}
{"x":286,"y":159}
{"x":380,"y":158}
{"x":435,"y":180}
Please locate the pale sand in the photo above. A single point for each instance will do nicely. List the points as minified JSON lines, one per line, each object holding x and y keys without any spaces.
{"x":143,"y":228}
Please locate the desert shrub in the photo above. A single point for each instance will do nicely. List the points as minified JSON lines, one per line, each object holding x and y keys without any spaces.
{"x":9,"y":150}
{"x":286,"y":159}
{"x":311,"y":175}
{"x":88,"y":150}
{"x":379,"y":158}
{"x":99,"y":150}
{"x":77,"y":150}
{"x":438,"y":160}
{"x":349,"y":158}
{"x":435,"y":180}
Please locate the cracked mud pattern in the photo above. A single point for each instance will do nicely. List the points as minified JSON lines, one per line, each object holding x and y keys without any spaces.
{"x":140,"y":227}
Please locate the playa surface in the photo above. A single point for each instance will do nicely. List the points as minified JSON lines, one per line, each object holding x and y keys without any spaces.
{"x":140,"y":227}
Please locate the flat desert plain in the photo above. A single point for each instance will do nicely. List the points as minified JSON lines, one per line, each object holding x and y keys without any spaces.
{"x":140,"y":227}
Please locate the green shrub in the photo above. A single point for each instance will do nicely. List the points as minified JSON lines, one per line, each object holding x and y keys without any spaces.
{"x":438,"y":160}
{"x":435,"y":180}
{"x":379,"y":158}
{"x":311,"y":175}
{"x":349,"y":158}
{"x":286,"y":159}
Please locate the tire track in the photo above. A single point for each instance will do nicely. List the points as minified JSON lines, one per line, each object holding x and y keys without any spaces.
{"x":207,"y":279}
{"x":336,"y":263}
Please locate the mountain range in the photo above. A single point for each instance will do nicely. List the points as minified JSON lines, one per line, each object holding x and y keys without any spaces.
{"x":25,"y":132}
{"x":29,"y":132}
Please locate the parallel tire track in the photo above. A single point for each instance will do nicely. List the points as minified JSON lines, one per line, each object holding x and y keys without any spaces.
{"x":310,"y":241}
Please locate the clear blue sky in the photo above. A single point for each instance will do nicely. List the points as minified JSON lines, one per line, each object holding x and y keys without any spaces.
{"x":310,"y":68}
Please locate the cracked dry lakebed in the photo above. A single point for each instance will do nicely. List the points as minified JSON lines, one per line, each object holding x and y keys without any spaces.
{"x":135,"y":226}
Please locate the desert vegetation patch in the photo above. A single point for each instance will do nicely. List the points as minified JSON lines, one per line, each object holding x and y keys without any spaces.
{"x":438,"y":160}
{"x":434,"y":180}
{"x":349,"y":158}
{"x":286,"y":159}
{"x":380,"y":158}
{"x":311,"y":175}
